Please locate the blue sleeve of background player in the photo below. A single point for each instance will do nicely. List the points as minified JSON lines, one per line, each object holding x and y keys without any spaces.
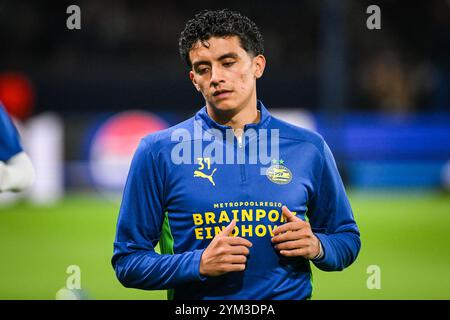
{"x":331,"y":218}
{"x":9,"y":137}
{"x":139,"y":226}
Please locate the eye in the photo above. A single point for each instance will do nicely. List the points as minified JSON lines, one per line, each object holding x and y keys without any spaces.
{"x":228,"y":64}
{"x":202,"y":70}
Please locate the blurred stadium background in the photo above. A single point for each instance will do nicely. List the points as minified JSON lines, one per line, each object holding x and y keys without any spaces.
{"x":83,"y":98}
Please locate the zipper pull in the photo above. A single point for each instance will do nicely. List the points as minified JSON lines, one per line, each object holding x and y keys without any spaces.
{"x":238,"y":133}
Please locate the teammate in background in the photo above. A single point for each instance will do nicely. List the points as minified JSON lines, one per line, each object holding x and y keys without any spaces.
{"x":16,"y":169}
{"x":227,"y":231}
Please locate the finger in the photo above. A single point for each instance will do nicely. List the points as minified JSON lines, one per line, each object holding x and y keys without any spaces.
{"x":239,"y":250}
{"x":238,"y":241}
{"x":290,"y":245}
{"x":226,"y":232}
{"x":290,"y":226}
{"x":233,"y":267}
{"x":289,"y":215}
{"x":238,"y":259}
{"x":294,"y":253}
{"x":294,"y":235}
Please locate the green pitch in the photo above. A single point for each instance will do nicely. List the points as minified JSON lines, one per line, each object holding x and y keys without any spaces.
{"x":406,"y":235}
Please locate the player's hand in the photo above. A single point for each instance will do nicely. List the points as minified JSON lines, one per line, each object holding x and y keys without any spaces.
{"x":225,"y":253}
{"x":295,"y":238}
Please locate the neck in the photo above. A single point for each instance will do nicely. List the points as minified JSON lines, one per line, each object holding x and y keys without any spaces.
{"x":236,"y":118}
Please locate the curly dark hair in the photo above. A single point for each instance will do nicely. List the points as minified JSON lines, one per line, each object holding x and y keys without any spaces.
{"x":220,"y":23}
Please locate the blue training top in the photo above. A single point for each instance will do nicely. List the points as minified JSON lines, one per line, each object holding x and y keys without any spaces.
{"x":9,"y":137}
{"x":181,"y":199}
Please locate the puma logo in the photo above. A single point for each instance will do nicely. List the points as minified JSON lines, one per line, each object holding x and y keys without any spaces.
{"x":202,"y":175}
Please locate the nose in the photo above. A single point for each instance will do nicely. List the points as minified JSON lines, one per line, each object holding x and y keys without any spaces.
{"x":216,"y":76}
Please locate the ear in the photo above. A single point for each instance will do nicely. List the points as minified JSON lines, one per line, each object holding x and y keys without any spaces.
{"x":260,"y":64}
{"x":191,"y":76}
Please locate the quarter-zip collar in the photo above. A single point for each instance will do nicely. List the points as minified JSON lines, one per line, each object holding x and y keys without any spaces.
{"x":208,"y":123}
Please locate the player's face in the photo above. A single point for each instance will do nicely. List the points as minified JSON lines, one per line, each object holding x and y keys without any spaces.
{"x":225,"y":73}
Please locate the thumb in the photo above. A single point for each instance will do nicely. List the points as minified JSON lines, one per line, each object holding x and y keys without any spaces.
{"x":227,"y":231}
{"x":289,"y":215}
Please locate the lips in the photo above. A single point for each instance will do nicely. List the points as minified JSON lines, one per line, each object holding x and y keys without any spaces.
{"x":221,"y":92}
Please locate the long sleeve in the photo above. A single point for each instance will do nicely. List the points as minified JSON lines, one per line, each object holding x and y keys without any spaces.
{"x":332,"y":220}
{"x":9,"y":137}
{"x":139,"y":228}
{"x":16,"y":169}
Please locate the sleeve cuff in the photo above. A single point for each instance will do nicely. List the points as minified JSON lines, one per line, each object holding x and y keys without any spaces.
{"x":197,"y":258}
{"x":323,"y":245}
{"x":321,"y":252}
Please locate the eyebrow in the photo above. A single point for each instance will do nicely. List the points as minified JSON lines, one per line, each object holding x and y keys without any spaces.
{"x":222,"y":57}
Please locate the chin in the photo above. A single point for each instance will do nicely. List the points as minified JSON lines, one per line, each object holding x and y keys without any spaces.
{"x":225,"y":105}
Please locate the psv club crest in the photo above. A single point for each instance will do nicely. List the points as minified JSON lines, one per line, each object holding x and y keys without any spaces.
{"x":278,"y":173}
